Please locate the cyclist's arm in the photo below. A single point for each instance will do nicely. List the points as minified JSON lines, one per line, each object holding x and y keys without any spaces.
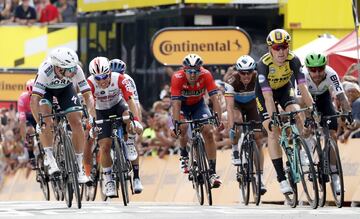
{"x":266,"y":90}
{"x":176,"y":97}
{"x":132,"y":106}
{"x":216,"y":105}
{"x":213,"y":93}
{"x":295,"y":65}
{"x":229,"y":99}
{"x":344,"y":102}
{"x":34,"y":105}
{"x":90,"y":103}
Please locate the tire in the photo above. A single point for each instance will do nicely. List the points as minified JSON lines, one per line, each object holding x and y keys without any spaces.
{"x":318,"y":160}
{"x":197,"y":180}
{"x":122,"y":170}
{"x":55,"y":190}
{"x":334,"y":154}
{"x":291,"y":199}
{"x":244,"y":173}
{"x":43,"y":179}
{"x":72,"y":169}
{"x":204,"y":169}
{"x":308,"y":175}
{"x":255,"y":173}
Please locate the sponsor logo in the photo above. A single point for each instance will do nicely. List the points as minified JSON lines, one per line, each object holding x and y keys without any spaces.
{"x":336,"y":82}
{"x":261,"y":78}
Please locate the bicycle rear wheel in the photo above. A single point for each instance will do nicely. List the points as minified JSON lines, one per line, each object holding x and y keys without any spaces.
{"x":291,"y":198}
{"x":254,"y":161}
{"x":308,"y":174}
{"x":42,"y":178}
{"x":335,"y":155}
{"x":195,"y":174}
{"x":244,"y":173}
{"x":204,"y":169}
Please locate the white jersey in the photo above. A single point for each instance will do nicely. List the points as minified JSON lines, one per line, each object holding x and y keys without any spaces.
{"x":46,"y":78}
{"x":331,"y":80}
{"x":119,"y":88}
{"x":133,"y":85}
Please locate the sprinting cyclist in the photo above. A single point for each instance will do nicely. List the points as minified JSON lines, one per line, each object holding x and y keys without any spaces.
{"x":240,"y":101}
{"x":55,"y":78}
{"x":27,"y":122}
{"x":113,"y":96}
{"x":319,"y":79}
{"x":119,"y":66}
{"x":188,"y":86}
{"x":275,"y":70}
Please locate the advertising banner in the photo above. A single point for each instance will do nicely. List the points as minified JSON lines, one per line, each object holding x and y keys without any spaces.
{"x":216,"y":45}
{"x":105,"y":5}
{"x":233,"y":1}
{"x":13,"y":84}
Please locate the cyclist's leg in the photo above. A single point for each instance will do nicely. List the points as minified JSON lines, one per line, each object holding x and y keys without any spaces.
{"x":46,"y":136}
{"x":274,"y":148}
{"x":183,"y":139}
{"x":234,"y":137}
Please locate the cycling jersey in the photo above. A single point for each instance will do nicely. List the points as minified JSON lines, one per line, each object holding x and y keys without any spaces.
{"x":46,"y":78}
{"x":241,"y":93}
{"x":133,"y":87}
{"x":188,"y":94}
{"x":119,"y":88}
{"x":272,"y":76}
{"x":331,"y":80}
{"x":23,"y":106}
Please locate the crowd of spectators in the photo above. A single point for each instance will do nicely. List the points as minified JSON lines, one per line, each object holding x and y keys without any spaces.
{"x":29,"y":12}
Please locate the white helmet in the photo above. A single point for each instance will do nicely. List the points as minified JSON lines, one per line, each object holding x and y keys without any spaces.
{"x":99,"y":65}
{"x":245,"y":63}
{"x":192,"y":61}
{"x":64,"y":57}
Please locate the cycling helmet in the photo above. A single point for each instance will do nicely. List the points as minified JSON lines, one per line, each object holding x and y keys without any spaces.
{"x":99,"y":66}
{"x":64,"y":57}
{"x":192,"y":61}
{"x":29,"y":85}
{"x":245,"y":63}
{"x":117,"y":65}
{"x":278,"y":36}
{"x":315,"y":60}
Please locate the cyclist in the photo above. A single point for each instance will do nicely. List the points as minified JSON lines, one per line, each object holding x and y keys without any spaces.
{"x":55,"y":78}
{"x":275,"y":70}
{"x":319,"y":78}
{"x":113,"y":96}
{"x":188,"y":87}
{"x":27,"y":122}
{"x":240,"y":100}
{"x":117,"y":65}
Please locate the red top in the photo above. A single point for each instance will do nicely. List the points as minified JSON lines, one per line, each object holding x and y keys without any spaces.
{"x":49,"y":13}
{"x":190,"y":95}
{"x":23,"y":105}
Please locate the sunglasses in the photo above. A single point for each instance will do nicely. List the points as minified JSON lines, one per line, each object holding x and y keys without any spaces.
{"x":192,"y":71}
{"x":246,"y":72}
{"x":101,"y":77}
{"x":316,"y":69}
{"x":72,"y":69}
{"x":278,"y":47}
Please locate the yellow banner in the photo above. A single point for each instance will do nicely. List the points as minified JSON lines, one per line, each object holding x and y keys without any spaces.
{"x":13,"y":84}
{"x":27,"y":47}
{"x":217,"y":45}
{"x":104,"y":5}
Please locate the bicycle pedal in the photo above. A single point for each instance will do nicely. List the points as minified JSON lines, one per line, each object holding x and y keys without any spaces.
{"x":190,"y":177}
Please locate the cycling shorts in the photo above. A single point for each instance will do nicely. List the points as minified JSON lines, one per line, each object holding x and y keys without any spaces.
{"x":197,"y":111}
{"x":67,"y":97}
{"x":248,"y":109}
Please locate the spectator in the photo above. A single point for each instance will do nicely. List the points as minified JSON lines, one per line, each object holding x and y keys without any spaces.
{"x":25,"y":14}
{"x":68,"y":11}
{"x":47,"y":13}
{"x":352,"y":91}
{"x":5,"y":10}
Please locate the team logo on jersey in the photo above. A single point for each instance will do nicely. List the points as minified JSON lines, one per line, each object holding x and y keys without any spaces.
{"x":49,"y":70}
{"x":63,"y":81}
{"x":272,"y":70}
{"x":102,"y":92}
{"x":261,"y":78}
{"x":178,"y":75}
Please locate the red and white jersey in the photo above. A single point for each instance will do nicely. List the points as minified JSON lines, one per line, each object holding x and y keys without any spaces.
{"x":119,"y":88}
{"x":23,"y":105}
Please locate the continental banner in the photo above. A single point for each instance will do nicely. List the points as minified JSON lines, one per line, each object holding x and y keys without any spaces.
{"x":216,"y":45}
{"x":105,"y":5}
{"x":27,"y":47}
{"x":13,"y":84}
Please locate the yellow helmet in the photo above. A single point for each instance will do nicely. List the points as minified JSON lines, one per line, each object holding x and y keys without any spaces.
{"x":278,"y":36}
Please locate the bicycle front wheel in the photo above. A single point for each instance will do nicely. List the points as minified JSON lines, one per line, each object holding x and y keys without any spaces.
{"x":122,"y":170}
{"x":42,"y":178}
{"x":195,"y":174}
{"x":243,"y":173}
{"x":254,"y":161}
{"x":204,"y":168}
{"x":307,"y":173}
{"x":336,"y":173}
{"x":72,"y":169}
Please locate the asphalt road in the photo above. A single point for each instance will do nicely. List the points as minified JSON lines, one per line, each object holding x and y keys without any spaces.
{"x":103,"y":210}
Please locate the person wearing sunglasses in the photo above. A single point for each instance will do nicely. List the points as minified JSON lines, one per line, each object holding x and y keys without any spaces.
{"x":240,"y":101}
{"x":57,"y":77}
{"x":119,"y":66}
{"x":274,"y":84}
{"x":188,"y":86}
{"x":113,"y":95}
{"x":319,"y":78}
